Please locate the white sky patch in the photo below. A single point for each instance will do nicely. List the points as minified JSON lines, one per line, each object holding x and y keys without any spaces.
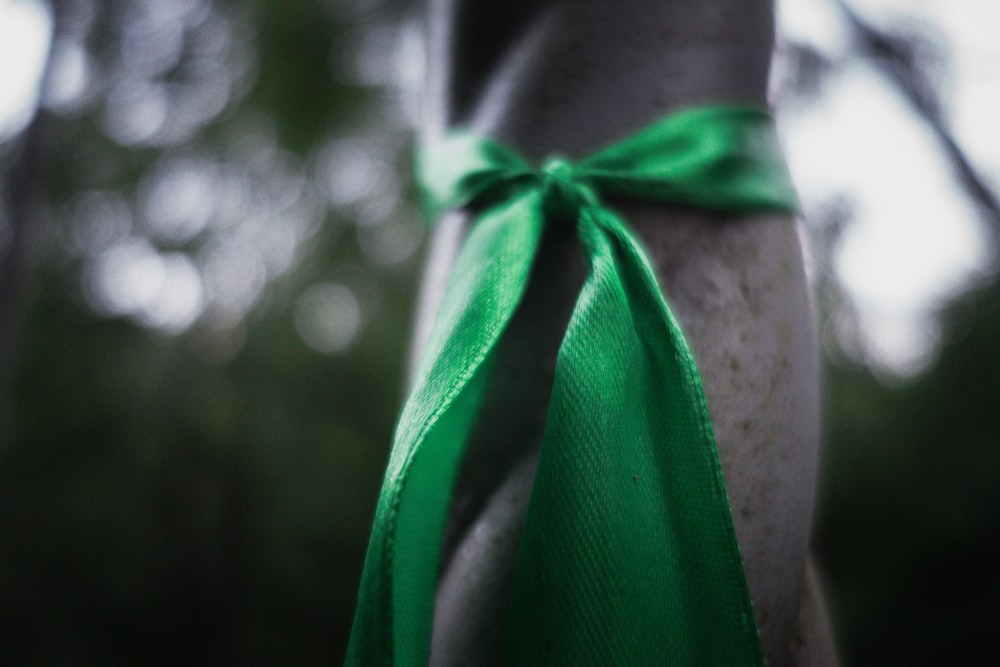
{"x":970,"y":26}
{"x":25,"y":31}
{"x":815,"y":22}
{"x":919,"y":236}
{"x":916,"y":239}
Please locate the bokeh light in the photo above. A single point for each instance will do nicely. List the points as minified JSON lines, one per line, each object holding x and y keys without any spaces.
{"x":25,"y":32}
{"x":328,"y":317}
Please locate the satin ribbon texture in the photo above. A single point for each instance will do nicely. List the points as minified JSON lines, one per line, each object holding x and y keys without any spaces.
{"x":628,"y":555}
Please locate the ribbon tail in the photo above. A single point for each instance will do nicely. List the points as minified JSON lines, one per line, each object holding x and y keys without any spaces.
{"x":628,"y":556}
{"x":392,"y":624}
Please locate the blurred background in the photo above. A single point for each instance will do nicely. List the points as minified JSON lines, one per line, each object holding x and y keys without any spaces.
{"x":209,"y":246}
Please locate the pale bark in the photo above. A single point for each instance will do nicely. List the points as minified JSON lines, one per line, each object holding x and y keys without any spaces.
{"x":572,"y":76}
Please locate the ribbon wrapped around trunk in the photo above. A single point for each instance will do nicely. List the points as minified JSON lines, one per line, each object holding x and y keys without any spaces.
{"x":628,"y":555}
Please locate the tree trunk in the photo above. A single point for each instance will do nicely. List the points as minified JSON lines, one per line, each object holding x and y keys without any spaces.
{"x":571,"y":76}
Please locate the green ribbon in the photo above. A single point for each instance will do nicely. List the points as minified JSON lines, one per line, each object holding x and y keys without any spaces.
{"x":628,"y":555}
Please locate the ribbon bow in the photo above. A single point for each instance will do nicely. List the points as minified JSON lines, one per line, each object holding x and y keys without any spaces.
{"x":628,"y":555}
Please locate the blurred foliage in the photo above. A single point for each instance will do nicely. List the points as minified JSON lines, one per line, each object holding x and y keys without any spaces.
{"x":188,"y":476}
{"x":909,"y":522}
{"x":160,"y":509}
{"x":197,"y":490}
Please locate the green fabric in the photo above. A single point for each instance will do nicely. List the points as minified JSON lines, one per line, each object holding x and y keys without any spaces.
{"x":628,"y":556}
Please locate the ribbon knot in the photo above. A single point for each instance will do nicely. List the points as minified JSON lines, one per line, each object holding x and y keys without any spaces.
{"x":564,"y":191}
